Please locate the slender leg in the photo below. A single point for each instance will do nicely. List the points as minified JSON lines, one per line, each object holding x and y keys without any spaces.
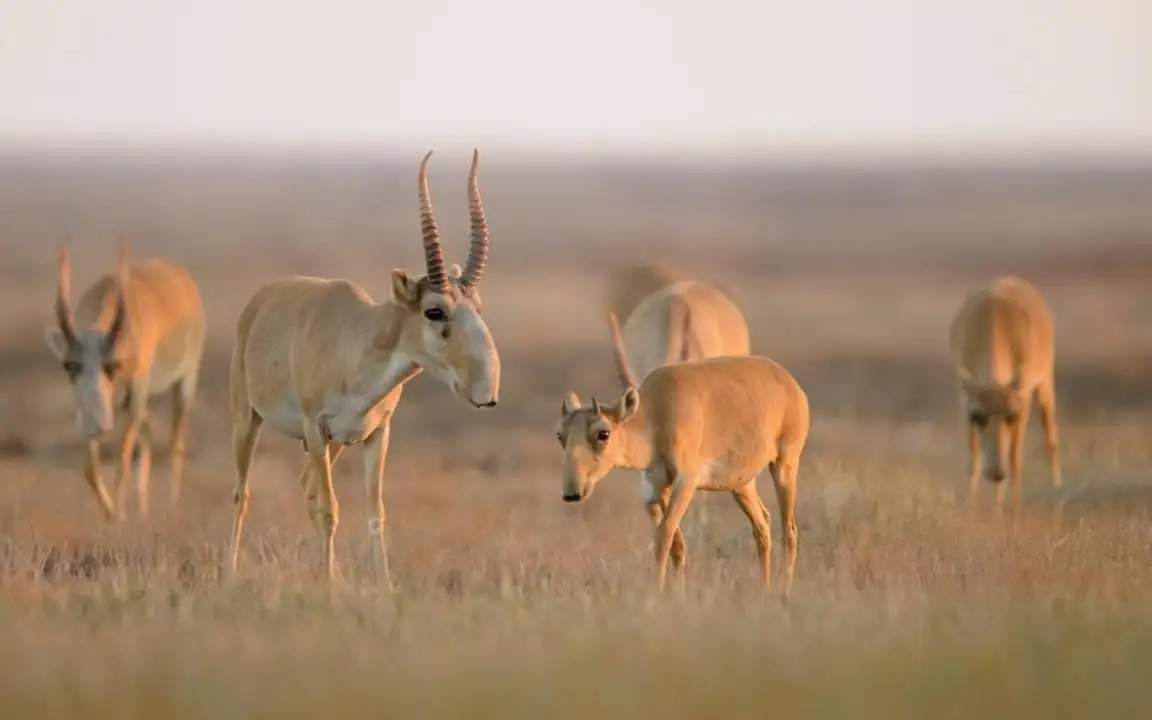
{"x":1046,"y":401}
{"x":245,"y":432}
{"x":974,"y":460}
{"x":784,"y":475}
{"x":182,"y":396}
{"x":143,"y":468}
{"x":375,"y":456}
{"x":137,"y":410}
{"x":749,"y":501}
{"x":679,"y":551}
{"x":93,"y":475}
{"x":311,"y":493}
{"x":328,"y":508}
{"x":682,"y":493}
{"x":1016,"y":457}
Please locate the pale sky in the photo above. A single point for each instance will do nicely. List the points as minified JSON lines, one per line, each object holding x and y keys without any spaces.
{"x":708,"y":75}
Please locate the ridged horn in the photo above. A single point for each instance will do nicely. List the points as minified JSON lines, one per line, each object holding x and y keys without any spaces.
{"x":433,"y":252}
{"x":623,"y":367}
{"x":116,"y":327}
{"x":478,"y":249}
{"x":596,"y":407}
{"x":63,"y":292}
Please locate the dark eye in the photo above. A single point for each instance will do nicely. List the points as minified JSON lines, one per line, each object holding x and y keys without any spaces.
{"x":111,"y":368}
{"x":603,"y":436}
{"x":72,"y":367}
{"x":978,"y":418}
{"x":435,"y":314}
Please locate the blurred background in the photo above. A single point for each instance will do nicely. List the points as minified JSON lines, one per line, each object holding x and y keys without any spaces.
{"x":815,"y":160}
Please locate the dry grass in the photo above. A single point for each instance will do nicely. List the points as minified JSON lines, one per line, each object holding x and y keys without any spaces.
{"x":511,"y":604}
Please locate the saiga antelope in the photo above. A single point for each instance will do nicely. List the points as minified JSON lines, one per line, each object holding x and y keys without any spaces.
{"x":321,"y":362}
{"x":713,"y":424}
{"x":1002,"y":347}
{"x":141,"y":329}
{"x":680,"y":322}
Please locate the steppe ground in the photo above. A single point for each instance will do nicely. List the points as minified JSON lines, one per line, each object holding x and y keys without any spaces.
{"x":909,"y":602}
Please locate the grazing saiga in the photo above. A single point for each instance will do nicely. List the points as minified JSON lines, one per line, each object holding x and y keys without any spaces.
{"x":1002,"y":347}
{"x":140,"y":330}
{"x":319,"y":361}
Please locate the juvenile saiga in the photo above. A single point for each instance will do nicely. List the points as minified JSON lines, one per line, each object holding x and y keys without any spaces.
{"x":1002,"y":347}
{"x":680,"y":321}
{"x":321,"y":362}
{"x":139,"y":331}
{"x":712,"y":424}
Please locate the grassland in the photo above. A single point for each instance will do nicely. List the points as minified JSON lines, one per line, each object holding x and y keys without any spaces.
{"x":909,"y":602}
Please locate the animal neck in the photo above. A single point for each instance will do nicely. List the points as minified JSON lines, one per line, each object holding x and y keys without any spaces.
{"x":384,"y":365}
{"x":635,"y":442}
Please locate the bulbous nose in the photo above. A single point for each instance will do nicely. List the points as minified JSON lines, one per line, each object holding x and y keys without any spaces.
{"x":572,"y":497}
{"x":994,"y":474}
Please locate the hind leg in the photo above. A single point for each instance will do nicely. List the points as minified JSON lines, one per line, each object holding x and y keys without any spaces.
{"x":749,"y":501}
{"x":245,"y":432}
{"x":182,"y":396}
{"x":784,"y":476}
{"x":1046,"y":403}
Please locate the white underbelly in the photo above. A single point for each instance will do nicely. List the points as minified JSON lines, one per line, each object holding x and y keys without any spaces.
{"x":285,"y":416}
{"x":160,"y":379}
{"x":715,"y":475}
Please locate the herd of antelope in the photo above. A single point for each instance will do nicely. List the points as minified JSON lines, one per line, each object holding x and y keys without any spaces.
{"x":322,"y":362}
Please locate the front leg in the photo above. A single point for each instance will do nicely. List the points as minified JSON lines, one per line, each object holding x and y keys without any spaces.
{"x":143,"y":467}
{"x":95,"y":480}
{"x":682,"y":492}
{"x":328,"y":509}
{"x":137,"y":412}
{"x":656,"y":502}
{"x":1016,"y":455}
{"x":375,"y":456}
{"x":975,"y":458}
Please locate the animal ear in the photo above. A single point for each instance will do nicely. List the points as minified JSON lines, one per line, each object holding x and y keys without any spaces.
{"x":628,"y":405}
{"x":405,"y":290}
{"x":57,"y":343}
{"x":571,"y":404}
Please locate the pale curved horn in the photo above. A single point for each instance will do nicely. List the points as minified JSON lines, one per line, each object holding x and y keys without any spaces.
{"x":63,"y":291}
{"x":433,"y":253}
{"x":116,"y":328}
{"x":623,"y":367}
{"x":478,"y":249}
